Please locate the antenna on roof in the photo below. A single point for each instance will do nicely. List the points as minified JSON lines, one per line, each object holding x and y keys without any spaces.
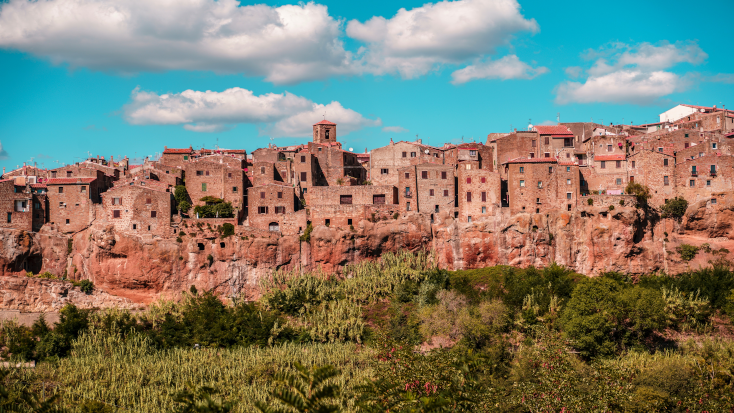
{"x":324,"y":115}
{"x":558,"y":117}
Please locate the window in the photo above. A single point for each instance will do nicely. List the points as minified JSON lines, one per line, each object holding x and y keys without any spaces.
{"x":568,"y":182}
{"x":633,"y":164}
{"x":700,"y":154}
{"x":443,"y":175}
{"x":484,"y":210}
{"x":713,"y":145}
{"x":280,"y":210}
{"x":319,"y":149}
{"x":262,"y":195}
{"x":424,"y":174}
{"x":692,"y":183}
{"x":468,"y":197}
{"x":67,"y":223}
{"x":483,"y":179}
{"x":609,"y":148}
{"x":665,"y":181}
{"x":619,"y":181}
{"x":203,"y":187}
{"x":522,"y":169}
{"x":199,"y":173}
{"x":533,"y":143}
{"x":407,"y":175}
{"x":568,"y":195}
{"x":472,"y":153}
{"x":568,"y":155}
{"x":665,"y":162}
{"x":537,"y":200}
{"x":603,"y":165}
{"x":116,"y":213}
{"x":468,"y":180}
{"x":407,"y":191}
{"x":484,"y":197}
{"x":345,"y":199}
{"x":303,"y":176}
{"x":568,"y":169}
{"x":708,"y":183}
{"x":349,"y":221}
{"x":550,"y":169}
{"x":207,"y":173}
{"x":522,"y":183}
{"x":407,"y":206}
{"x":412,"y":154}
{"x":186,"y":157}
{"x":547,"y":140}
{"x":468,"y":219}
{"x":10,"y":217}
{"x":693,"y":170}
{"x":713,"y":200}
{"x":540,"y":184}
{"x":445,"y":192}
{"x":686,"y":145}
{"x":234,"y":189}
{"x":68,"y":174}
{"x":547,"y":155}
{"x":689,"y":118}
{"x":430,"y":192}
{"x":405,"y":154}
{"x":384,"y":171}
{"x":713,"y":169}
{"x":61,"y":189}
{"x":661,"y":149}
{"x":84,"y":188}
{"x":378,"y":199}
{"x":116,"y":201}
{"x":632,"y":179}
{"x":148,"y":200}
{"x":153,"y":214}
{"x":262,"y":210}
{"x":262,"y":171}
{"x":618,"y":164}
{"x":531,"y":155}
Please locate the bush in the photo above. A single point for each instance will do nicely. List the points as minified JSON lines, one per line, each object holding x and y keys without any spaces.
{"x":621,"y":202}
{"x":674,"y":208}
{"x":641,"y":192}
{"x":307,"y":233}
{"x":395,"y":215}
{"x":86,"y":286}
{"x":226,"y":230}
{"x":179,"y":240}
{"x":687,"y":252}
{"x":69,"y":245}
{"x":590,"y":201}
{"x":611,"y":207}
{"x":184,"y":207}
{"x":214,"y":208}
{"x":210,"y":259}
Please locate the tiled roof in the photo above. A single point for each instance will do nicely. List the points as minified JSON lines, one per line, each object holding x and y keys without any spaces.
{"x":553,"y":130}
{"x":177,"y":151}
{"x":38,"y":185}
{"x":567,"y":163}
{"x":69,"y":181}
{"x":325,"y":122}
{"x":609,"y":158}
{"x":533,"y":160}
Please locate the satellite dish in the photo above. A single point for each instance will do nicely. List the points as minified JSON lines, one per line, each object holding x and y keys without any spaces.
{"x":427,"y":151}
{"x":351,"y":149}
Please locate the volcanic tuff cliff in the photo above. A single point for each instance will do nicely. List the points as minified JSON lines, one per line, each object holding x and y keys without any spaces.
{"x":128,"y":270}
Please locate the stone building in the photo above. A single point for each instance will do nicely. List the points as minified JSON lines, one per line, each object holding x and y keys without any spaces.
{"x":342,"y":206}
{"x":555,"y":141}
{"x":71,"y":202}
{"x":427,"y":188}
{"x":699,"y":178}
{"x":335,"y":164}
{"x":606,"y":173}
{"x":470,"y":152}
{"x":542,"y":184}
{"x":519,"y":144}
{"x":478,"y":192}
{"x":271,"y":207}
{"x":387,"y":160}
{"x":176,"y":157}
{"x":716,"y":120}
{"x":140,"y":207}
{"x":82,"y":171}
{"x":16,"y":205}
{"x":172,"y":176}
{"x":656,"y":170}
{"x":219,"y":176}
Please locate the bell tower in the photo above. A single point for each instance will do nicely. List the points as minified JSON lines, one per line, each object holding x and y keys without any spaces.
{"x":324,"y":132}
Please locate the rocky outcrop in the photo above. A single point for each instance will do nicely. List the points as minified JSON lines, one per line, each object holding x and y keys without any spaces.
{"x":126,"y":268}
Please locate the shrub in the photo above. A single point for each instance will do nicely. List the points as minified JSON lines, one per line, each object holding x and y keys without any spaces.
{"x":395,"y":215}
{"x":69,"y":245}
{"x":621,"y":202}
{"x":674,"y":208}
{"x":611,"y":207}
{"x":351,"y":228}
{"x":226,"y":230}
{"x":641,"y":192}
{"x":179,"y":240}
{"x":210,"y":259}
{"x":86,"y":286}
{"x":590,"y":201}
{"x":214,"y":208}
{"x":181,"y":234}
{"x":307,"y":233}
{"x":687,"y":252}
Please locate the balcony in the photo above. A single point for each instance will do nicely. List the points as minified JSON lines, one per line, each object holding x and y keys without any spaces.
{"x":694,"y":173}
{"x":408,"y":195}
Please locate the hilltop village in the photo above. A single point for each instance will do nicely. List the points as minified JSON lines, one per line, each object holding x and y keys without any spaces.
{"x":563,"y":167}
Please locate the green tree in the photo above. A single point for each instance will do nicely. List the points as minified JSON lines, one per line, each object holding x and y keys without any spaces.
{"x":641,"y":192}
{"x":308,"y":390}
{"x":674,"y":208}
{"x":213,"y":208}
{"x":587,"y":318}
{"x":200,"y":400}
{"x":687,"y":252}
{"x":181,"y":196}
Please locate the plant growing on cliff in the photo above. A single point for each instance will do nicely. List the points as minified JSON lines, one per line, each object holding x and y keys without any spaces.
{"x":226,"y":230}
{"x":611,"y":207}
{"x":641,"y":192}
{"x":307,"y":233}
{"x":213,"y":208}
{"x":86,"y":286}
{"x":590,"y":201}
{"x":210,"y":259}
{"x":687,"y":252}
{"x":674,"y":208}
{"x":181,"y":196}
{"x":69,"y":245}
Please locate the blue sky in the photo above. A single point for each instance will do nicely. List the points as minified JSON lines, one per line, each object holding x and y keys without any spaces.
{"x":126,"y":78}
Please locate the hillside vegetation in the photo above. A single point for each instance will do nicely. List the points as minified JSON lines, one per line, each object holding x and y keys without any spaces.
{"x":395,"y":335}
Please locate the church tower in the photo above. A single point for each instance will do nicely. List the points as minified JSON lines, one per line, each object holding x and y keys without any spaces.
{"x":324,"y":132}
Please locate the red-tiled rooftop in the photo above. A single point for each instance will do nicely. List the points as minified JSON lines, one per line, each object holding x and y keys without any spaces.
{"x":177,"y":151}
{"x":38,"y":185}
{"x":325,"y":122}
{"x":609,"y":158}
{"x":69,"y":181}
{"x":555,"y":130}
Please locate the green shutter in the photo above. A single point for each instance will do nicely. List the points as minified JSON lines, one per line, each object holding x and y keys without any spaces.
{"x":186,"y":157}
{"x":203,"y":187}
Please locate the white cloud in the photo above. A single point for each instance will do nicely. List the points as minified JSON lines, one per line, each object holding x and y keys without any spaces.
{"x":395,"y":129}
{"x":623,"y":86}
{"x":721,"y":78}
{"x":282,"y":114}
{"x":509,"y":67}
{"x":286,"y":44}
{"x":3,"y":153}
{"x":636,"y":74}
{"x":573,"y":71}
{"x":415,"y":41}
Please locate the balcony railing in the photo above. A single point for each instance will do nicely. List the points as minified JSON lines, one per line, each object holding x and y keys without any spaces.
{"x":694,"y":173}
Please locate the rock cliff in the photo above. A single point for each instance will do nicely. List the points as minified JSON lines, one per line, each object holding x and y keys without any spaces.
{"x":128,"y":270}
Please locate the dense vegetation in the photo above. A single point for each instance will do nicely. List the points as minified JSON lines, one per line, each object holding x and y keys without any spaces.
{"x":396,"y":335}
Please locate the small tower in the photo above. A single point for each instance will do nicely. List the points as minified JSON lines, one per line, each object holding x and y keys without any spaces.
{"x":324,"y":132}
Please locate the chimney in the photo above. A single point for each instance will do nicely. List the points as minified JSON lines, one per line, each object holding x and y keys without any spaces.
{"x":419,"y":140}
{"x":165,"y":147}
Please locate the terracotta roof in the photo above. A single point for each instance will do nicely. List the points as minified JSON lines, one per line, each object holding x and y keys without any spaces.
{"x":468,"y":149}
{"x":533,"y":160}
{"x":38,"y":185}
{"x":325,"y":122}
{"x":553,"y":130}
{"x":177,"y":151}
{"x":567,"y":163}
{"x":68,"y":181}
{"x":609,"y":158}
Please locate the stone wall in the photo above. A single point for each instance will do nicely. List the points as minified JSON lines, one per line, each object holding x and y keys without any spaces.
{"x":427,"y":185}
{"x":138,"y":209}
{"x":15,"y":216}
{"x":484,"y":187}
{"x":656,"y":171}
{"x":71,"y":205}
{"x":701,"y":184}
{"x":355,"y":195}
